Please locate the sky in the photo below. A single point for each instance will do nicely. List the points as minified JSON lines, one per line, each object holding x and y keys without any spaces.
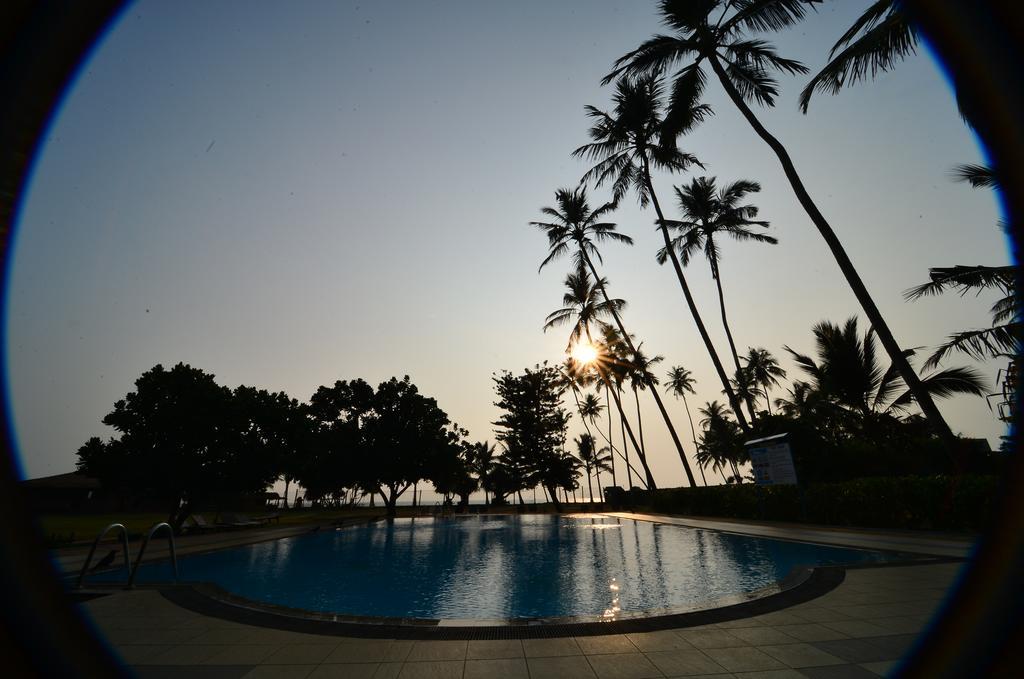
{"x":288,"y":194}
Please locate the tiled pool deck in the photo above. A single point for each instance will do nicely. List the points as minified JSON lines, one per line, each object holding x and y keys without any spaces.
{"x":859,"y":629}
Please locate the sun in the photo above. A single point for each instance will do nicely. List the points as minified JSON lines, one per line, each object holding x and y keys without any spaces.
{"x":584,"y":352}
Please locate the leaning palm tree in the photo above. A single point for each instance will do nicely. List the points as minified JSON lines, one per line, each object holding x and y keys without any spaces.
{"x":627,"y":144}
{"x":847,"y":370}
{"x":680,"y":383}
{"x":763,"y":370}
{"x":713,"y":32}
{"x":640,"y":376}
{"x":576,"y":226}
{"x":708,"y":214}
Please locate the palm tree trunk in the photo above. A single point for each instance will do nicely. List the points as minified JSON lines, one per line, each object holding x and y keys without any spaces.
{"x":611,"y":445}
{"x":921,"y":395}
{"x":629,"y":432}
{"x":589,"y":486}
{"x":733,"y":401}
{"x":693,"y":432}
{"x":640,"y":425}
{"x":600,"y":490}
{"x":767,"y":400}
{"x":287,"y":481}
{"x":622,"y":427}
{"x":716,"y":274}
{"x":654,"y":392}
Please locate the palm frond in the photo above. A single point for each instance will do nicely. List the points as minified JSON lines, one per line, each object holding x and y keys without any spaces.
{"x":878,"y":49}
{"x":685,"y":110}
{"x":762,"y":55}
{"x":655,"y":55}
{"x":767,"y":15}
{"x":946,"y":383}
{"x":752,"y":83}
{"x":965,"y":279}
{"x":978,"y":176}
{"x":981,"y":344}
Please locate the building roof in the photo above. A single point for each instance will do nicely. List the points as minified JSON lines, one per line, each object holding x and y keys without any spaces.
{"x":69,"y":480}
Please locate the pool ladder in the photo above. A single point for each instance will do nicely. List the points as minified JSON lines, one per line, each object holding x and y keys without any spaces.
{"x":132,"y":571}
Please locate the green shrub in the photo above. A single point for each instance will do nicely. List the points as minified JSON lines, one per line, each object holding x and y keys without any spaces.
{"x":935,"y":502}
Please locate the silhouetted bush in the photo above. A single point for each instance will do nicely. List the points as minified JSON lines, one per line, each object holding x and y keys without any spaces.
{"x":937,"y":502}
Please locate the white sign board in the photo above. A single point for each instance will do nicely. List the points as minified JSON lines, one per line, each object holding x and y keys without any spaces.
{"x":773,"y":465}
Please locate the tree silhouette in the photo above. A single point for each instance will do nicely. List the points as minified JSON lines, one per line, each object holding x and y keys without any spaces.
{"x":576,"y":226}
{"x":847,"y":370}
{"x":707,"y":214}
{"x":763,"y":371}
{"x":680,"y":383}
{"x":593,"y":461}
{"x":532,"y":426}
{"x":713,"y":31}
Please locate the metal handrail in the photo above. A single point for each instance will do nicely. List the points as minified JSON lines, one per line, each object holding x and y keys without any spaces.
{"x":142,"y":550}
{"x":95,"y":544}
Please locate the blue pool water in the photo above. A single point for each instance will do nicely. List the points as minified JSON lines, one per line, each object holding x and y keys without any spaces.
{"x":501,"y":567}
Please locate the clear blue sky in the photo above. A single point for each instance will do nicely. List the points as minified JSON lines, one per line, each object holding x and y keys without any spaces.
{"x":286,"y":194}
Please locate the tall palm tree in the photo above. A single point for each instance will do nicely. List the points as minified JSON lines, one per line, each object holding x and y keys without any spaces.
{"x":713,"y":31}
{"x":719,"y":439}
{"x":709,"y":212}
{"x":577,"y":225}
{"x":481,"y":462}
{"x":626,"y":144}
{"x":847,"y":370}
{"x":680,"y":383}
{"x":582,"y":306}
{"x":640,"y":376}
{"x":763,"y":370}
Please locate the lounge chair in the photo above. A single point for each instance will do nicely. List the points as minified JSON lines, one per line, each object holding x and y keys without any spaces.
{"x":237,"y":521}
{"x":263,"y":518}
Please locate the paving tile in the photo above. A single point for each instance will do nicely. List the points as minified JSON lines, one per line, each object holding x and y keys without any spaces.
{"x":182,"y":655}
{"x":778,"y":618}
{"x":817,"y":614}
{"x":837,"y":672}
{"x":760,"y":636}
{"x":743,"y":659}
{"x":432,"y":669}
{"x":491,"y":649}
{"x":801,"y":655}
{"x":896,"y":644}
{"x":167,"y":636}
{"x":191,"y":671}
{"x":666,"y":640}
{"x":241,"y":654}
{"x":299,"y":654}
{"x":623,"y":666}
{"x":137,"y":653}
{"x":369,"y":651}
{"x":279,"y":672}
{"x":437,"y":650}
{"x":348,"y":671}
{"x":563,"y":667}
{"x":742,"y":622}
{"x":684,"y":663}
{"x":857,"y":628}
{"x":771,"y":674}
{"x":710,"y":638}
{"x":497,"y":668}
{"x":882,"y":669}
{"x":606,"y":643}
{"x":542,"y":648}
{"x":811,"y":632}
{"x":388,"y":670}
{"x":223,"y":636}
{"x":855,"y":650}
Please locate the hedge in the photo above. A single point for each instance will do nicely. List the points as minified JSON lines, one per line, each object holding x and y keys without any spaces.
{"x":930,"y":502}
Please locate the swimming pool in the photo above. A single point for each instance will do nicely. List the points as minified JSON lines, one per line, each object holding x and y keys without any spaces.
{"x":500,"y":567}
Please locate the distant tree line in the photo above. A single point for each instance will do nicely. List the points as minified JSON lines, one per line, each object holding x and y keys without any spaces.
{"x":186,"y":441}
